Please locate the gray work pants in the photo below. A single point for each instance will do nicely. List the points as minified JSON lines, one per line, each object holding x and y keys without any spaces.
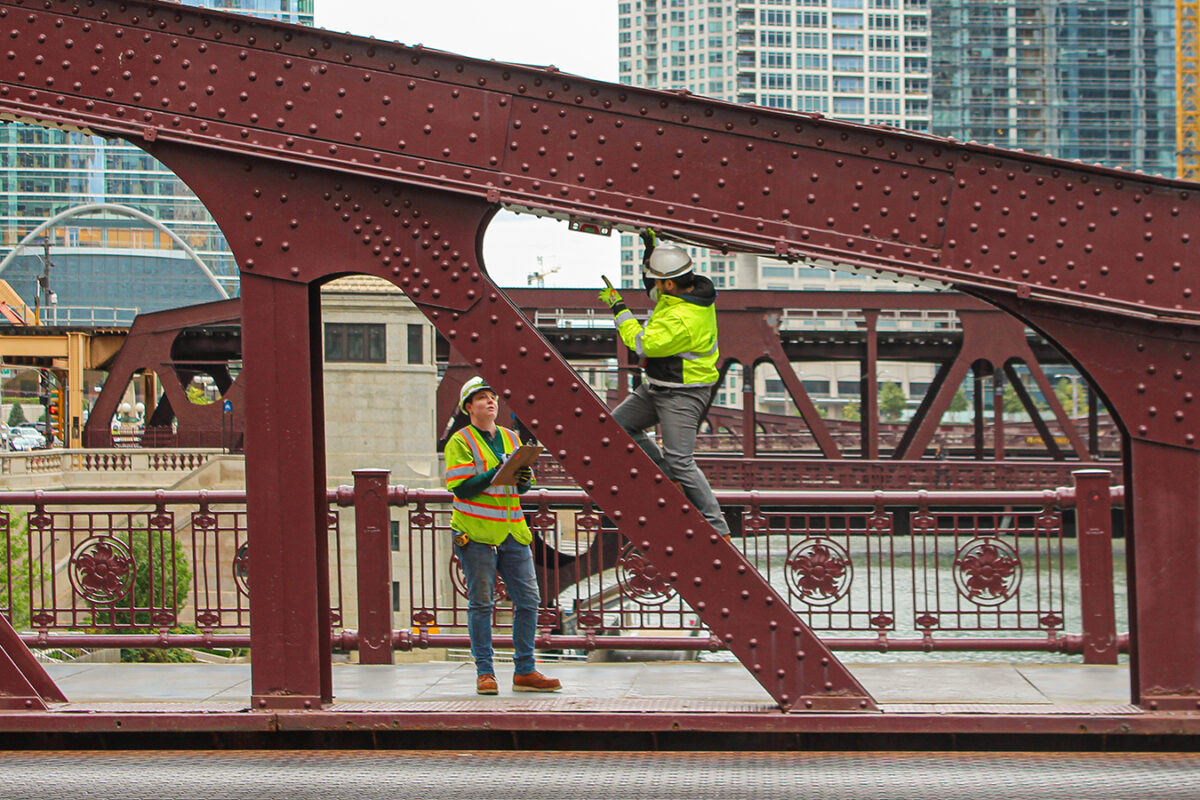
{"x":679,"y":411}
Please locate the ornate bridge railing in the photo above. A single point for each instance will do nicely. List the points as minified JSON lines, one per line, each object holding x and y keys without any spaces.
{"x":881,"y":570}
{"x":131,"y":568}
{"x":870,"y":570}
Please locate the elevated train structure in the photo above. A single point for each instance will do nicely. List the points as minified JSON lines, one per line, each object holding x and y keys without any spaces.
{"x":322,"y":155}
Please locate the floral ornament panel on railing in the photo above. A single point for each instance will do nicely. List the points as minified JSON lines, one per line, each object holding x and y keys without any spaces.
{"x":641,"y":581}
{"x":819,"y":571}
{"x":102,"y":570}
{"x":991,"y":571}
{"x":836,"y":569}
{"x":122,"y":570}
{"x":987,"y":571}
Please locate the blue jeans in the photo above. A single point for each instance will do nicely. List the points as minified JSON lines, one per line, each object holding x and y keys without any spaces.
{"x":513,"y":561}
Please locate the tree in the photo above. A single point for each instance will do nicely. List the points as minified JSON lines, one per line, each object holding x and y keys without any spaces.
{"x":1072,"y":397}
{"x":16,"y":416}
{"x":161,"y":577}
{"x":852,"y":411}
{"x":1013,"y":404}
{"x":14,"y":550}
{"x":892,"y":401}
{"x":959,"y":402}
{"x":197,"y":395}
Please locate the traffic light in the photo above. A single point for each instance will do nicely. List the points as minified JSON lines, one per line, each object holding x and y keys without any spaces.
{"x":56,"y":413}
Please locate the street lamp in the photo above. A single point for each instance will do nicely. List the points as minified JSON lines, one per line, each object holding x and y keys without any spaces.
{"x":1074,"y":379}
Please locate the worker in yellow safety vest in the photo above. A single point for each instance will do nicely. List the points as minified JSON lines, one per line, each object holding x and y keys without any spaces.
{"x":678,"y":349}
{"x":492,"y":538}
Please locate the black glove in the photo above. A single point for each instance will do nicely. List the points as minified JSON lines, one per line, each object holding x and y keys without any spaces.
{"x":525,"y":475}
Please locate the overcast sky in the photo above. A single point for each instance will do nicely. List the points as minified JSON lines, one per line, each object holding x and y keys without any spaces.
{"x":578,"y":36}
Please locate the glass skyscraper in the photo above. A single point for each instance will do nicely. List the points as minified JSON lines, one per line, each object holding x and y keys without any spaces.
{"x":1079,"y":79}
{"x":98,"y":260}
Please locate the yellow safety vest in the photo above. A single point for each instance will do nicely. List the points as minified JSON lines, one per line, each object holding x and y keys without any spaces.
{"x":493,"y":515}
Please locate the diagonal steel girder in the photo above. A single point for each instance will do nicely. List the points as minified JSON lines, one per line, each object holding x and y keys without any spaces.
{"x":322,"y":154}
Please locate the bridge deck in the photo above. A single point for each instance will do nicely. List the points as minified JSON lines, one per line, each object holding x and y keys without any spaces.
{"x":664,"y":685}
{"x":701,"y":704}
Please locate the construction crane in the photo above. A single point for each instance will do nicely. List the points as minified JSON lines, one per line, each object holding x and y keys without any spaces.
{"x":1187,"y":82}
{"x":538,"y":278}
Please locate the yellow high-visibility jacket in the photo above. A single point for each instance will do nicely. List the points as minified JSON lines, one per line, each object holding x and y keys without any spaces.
{"x":678,"y":343}
{"x":493,"y":515}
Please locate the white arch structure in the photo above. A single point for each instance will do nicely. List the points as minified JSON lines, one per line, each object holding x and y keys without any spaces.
{"x":87,"y":208}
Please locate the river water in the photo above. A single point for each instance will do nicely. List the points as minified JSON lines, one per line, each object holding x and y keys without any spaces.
{"x":902,"y":586}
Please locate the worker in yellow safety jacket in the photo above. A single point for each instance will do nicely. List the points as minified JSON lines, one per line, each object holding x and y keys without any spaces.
{"x":678,"y":349}
{"x":492,"y":538}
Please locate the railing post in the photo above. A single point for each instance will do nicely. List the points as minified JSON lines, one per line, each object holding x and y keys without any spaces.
{"x":1093,"y":534}
{"x":374,"y":565}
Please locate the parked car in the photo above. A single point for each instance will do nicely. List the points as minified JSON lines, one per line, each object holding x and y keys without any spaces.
{"x":26,"y":438}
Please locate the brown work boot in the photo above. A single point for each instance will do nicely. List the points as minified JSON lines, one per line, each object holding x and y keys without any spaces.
{"x":535,"y":682}
{"x":486,"y":684}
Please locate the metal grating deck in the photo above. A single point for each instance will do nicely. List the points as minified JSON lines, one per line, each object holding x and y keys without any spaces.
{"x":300,"y":775}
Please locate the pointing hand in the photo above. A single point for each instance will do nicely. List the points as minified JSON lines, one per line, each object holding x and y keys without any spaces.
{"x":609,"y":296}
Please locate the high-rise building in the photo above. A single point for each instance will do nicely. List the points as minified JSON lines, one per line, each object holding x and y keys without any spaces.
{"x":1091,"y":80}
{"x":103,"y":261}
{"x":1079,"y":79}
{"x":860,"y":60}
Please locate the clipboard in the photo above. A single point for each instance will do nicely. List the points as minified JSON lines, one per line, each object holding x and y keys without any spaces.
{"x":523,"y":456}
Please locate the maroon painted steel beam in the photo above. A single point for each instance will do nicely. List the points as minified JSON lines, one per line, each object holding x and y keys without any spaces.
{"x":436,"y":236}
{"x":1093,"y":531}
{"x":532,"y":301}
{"x":1032,"y":412}
{"x":286,"y":505}
{"x":408,"y":640}
{"x":869,"y":370}
{"x":751,"y":340}
{"x":24,"y":683}
{"x":148,"y":346}
{"x":373,"y":561}
{"x":757,"y":179}
{"x":322,"y":154}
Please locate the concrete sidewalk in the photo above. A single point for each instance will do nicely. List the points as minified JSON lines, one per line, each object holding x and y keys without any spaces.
{"x":673,"y":684}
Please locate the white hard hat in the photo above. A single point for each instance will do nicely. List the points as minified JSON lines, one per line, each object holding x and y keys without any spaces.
{"x":470,"y":389}
{"x":667,"y":261}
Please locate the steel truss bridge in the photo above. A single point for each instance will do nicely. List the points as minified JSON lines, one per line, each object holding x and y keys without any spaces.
{"x":742,"y":448}
{"x":322,"y":155}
